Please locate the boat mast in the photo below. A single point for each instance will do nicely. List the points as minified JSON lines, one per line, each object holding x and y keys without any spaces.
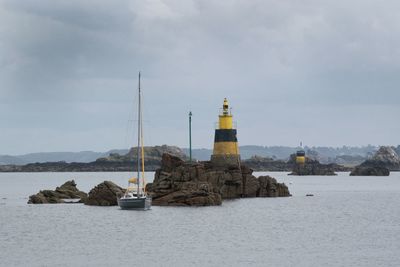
{"x":138,"y":144}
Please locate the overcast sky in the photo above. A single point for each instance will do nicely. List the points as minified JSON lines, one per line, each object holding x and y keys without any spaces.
{"x":324,"y":72}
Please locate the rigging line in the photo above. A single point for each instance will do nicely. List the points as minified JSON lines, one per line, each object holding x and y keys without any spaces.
{"x":142,"y":147}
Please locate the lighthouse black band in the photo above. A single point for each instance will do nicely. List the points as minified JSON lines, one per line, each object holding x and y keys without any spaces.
{"x":225,"y":135}
{"x":300,"y":153}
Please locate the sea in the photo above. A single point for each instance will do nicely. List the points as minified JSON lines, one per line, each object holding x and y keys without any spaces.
{"x":349,"y":221}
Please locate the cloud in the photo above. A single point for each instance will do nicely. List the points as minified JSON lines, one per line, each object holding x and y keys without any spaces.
{"x":78,"y":62}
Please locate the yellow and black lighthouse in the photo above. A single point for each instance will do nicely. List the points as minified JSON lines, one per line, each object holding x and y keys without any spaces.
{"x":226,"y":149}
{"x":301,"y":155}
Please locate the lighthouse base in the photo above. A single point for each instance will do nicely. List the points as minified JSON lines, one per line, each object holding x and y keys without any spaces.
{"x":225,"y":160}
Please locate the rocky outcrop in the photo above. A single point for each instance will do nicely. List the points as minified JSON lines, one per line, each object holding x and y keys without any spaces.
{"x":311,"y":167}
{"x":385,"y":157}
{"x":398,"y":150}
{"x":152,"y":156}
{"x":66,"y":193}
{"x":113,"y":163}
{"x":380,"y":164}
{"x":179,"y":183}
{"x":104,"y":194}
{"x":269,"y":187}
{"x":182,"y":184}
{"x":258,"y":163}
{"x":370,"y":171}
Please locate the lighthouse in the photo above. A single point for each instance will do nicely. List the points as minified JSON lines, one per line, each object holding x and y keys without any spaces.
{"x":301,"y":156}
{"x":226,"y":149}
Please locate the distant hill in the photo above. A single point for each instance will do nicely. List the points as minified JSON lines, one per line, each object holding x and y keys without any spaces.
{"x":342,"y":155}
{"x":83,"y":156}
{"x":6,"y":159}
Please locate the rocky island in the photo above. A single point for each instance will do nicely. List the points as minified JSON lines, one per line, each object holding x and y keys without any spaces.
{"x":66,"y":193}
{"x":311,"y":167}
{"x":258,"y":163}
{"x":178,"y":183}
{"x":383,"y":161}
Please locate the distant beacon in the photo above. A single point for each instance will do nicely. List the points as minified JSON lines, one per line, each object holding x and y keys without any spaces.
{"x":226,"y":149}
{"x":301,"y":155}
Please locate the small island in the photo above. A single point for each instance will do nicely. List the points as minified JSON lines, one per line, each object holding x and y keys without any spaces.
{"x":381,"y":163}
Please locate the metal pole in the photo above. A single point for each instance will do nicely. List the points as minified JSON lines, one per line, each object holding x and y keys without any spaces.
{"x":190,"y":135}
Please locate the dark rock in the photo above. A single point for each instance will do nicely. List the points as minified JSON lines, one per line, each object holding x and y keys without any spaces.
{"x":104,"y":194}
{"x":386,"y":154}
{"x":380,"y":164}
{"x":190,"y":194}
{"x":200,"y":184}
{"x":398,"y":150}
{"x":170,"y":162}
{"x":66,"y":191}
{"x":385,"y":157}
{"x":269,"y":187}
{"x":370,"y":171}
{"x":180,"y":184}
{"x":251,"y":186}
{"x":258,"y":163}
{"x":311,"y":167}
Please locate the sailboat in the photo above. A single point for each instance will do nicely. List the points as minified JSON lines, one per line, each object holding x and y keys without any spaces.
{"x":135,"y":196}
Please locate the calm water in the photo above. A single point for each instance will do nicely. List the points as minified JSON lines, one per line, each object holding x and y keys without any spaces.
{"x":350,"y":221}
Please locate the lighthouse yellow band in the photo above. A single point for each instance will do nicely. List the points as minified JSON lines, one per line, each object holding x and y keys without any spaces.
{"x":225,"y":122}
{"x":223,"y":148}
{"x":300,"y":159}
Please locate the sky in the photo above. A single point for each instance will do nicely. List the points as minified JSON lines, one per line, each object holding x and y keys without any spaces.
{"x":322,"y":72}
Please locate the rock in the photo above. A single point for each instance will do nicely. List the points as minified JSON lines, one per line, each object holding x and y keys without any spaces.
{"x":370,"y":171}
{"x":258,"y":163}
{"x":66,"y":191}
{"x":380,"y":164}
{"x":190,"y":194}
{"x":69,"y":191}
{"x":398,"y":150}
{"x":270,"y":164}
{"x":269,"y":187}
{"x":229,"y":182}
{"x":170,"y":162}
{"x":178,"y":183}
{"x":251,"y":186}
{"x":386,"y":154}
{"x":311,"y":167}
{"x":385,"y":157}
{"x":104,"y":194}
{"x":181,"y":184}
